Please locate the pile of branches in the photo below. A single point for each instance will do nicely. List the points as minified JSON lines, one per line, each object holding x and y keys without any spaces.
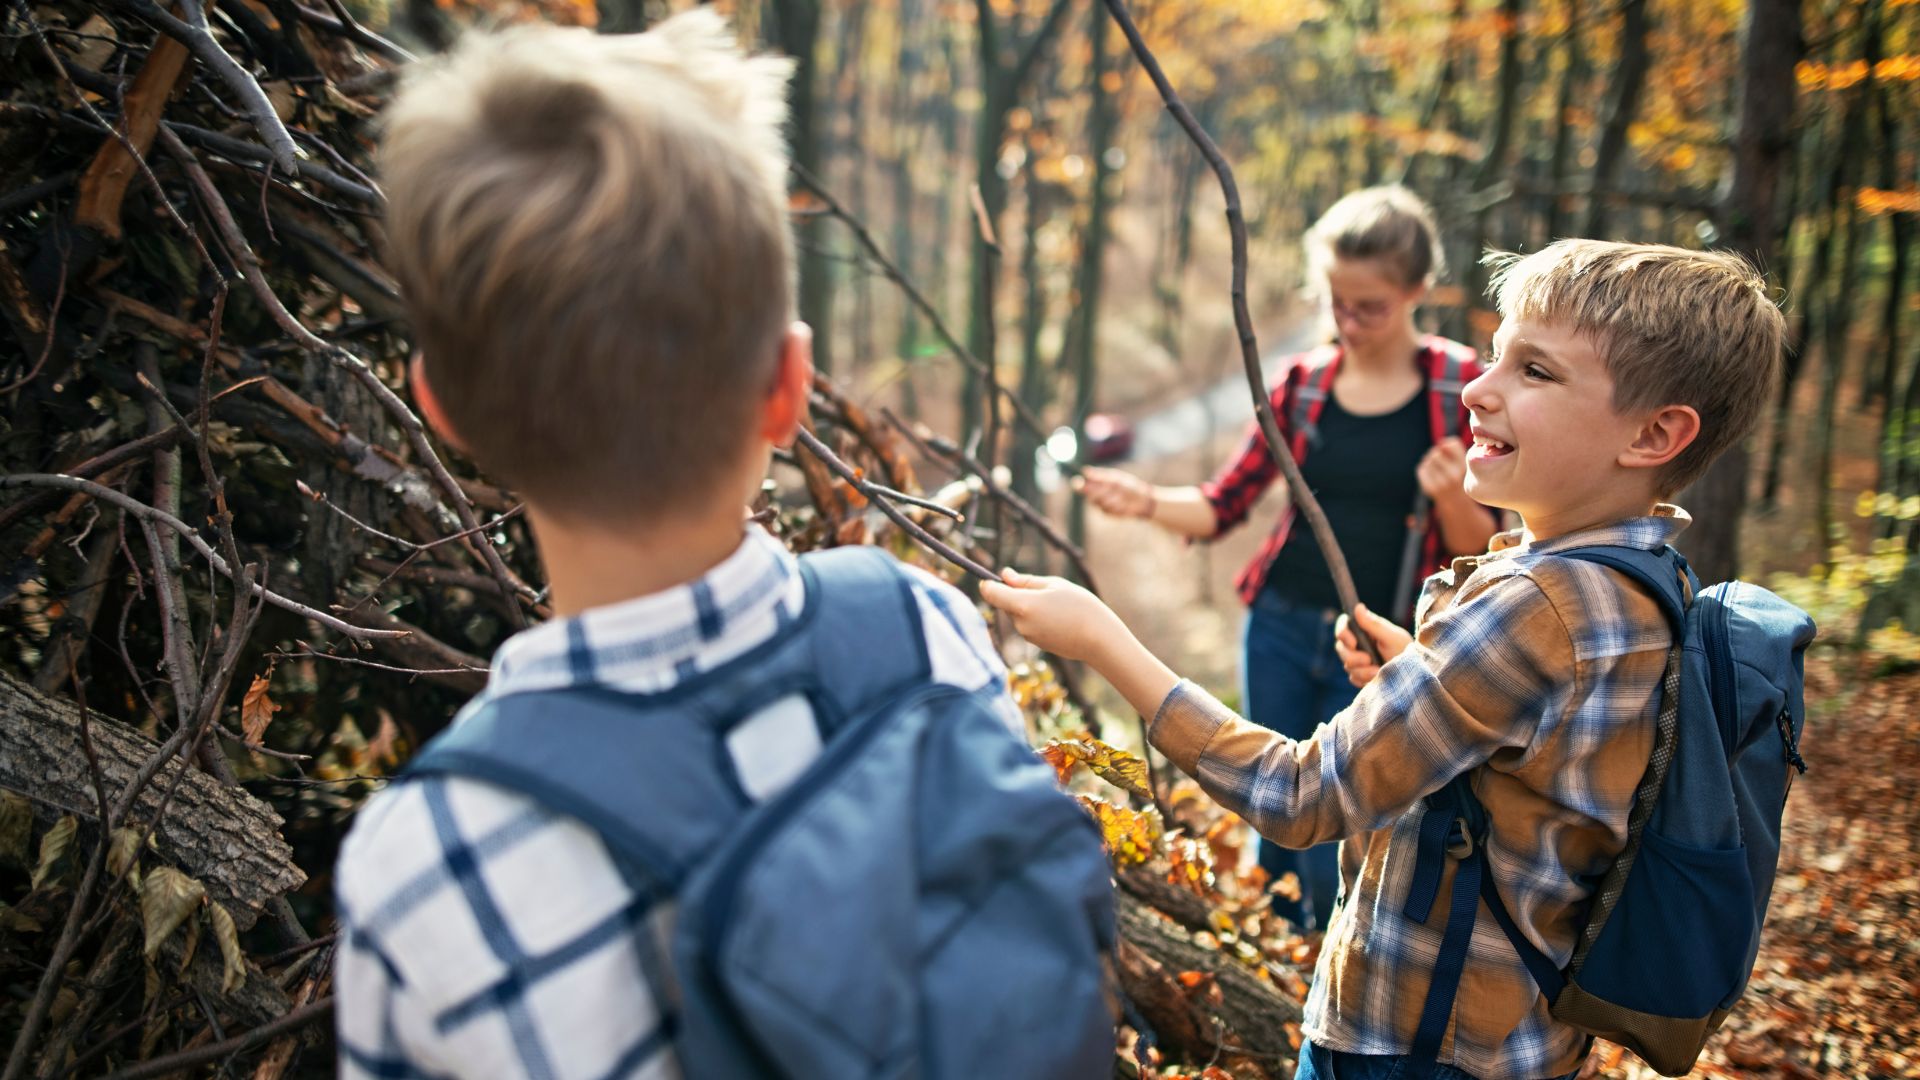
{"x":240,"y":582}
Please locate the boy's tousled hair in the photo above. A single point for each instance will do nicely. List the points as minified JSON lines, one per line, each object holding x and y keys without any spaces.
{"x":1674,"y":327}
{"x":591,"y":235}
{"x":1388,"y":224}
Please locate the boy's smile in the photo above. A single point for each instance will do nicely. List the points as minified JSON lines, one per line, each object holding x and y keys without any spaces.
{"x":1547,"y":441}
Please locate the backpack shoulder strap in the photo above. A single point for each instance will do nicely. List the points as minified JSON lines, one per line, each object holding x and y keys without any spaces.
{"x":650,"y":772}
{"x":1446,"y":380}
{"x":1658,"y":572}
{"x":866,"y":637}
{"x":605,"y":760}
{"x":1317,"y":369}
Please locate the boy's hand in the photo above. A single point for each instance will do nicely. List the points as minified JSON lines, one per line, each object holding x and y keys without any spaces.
{"x":1388,"y":638}
{"x":1122,"y":494}
{"x":1056,"y":615}
{"x":1442,"y":472}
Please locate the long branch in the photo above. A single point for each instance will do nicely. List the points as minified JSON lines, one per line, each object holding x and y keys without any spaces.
{"x":198,"y":38}
{"x":186,"y":1059}
{"x":1243,"y":321}
{"x":144,"y":512}
{"x":908,"y":525}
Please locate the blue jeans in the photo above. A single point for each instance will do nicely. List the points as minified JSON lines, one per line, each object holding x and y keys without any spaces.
{"x":1319,"y":1063}
{"x":1292,"y":682}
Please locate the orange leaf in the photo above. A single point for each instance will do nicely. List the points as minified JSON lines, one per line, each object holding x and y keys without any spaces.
{"x":257,"y":709}
{"x":1061,"y":759}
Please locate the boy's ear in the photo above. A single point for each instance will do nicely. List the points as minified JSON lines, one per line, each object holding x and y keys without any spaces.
{"x":430,"y":410}
{"x":1663,"y":435}
{"x":786,"y":404}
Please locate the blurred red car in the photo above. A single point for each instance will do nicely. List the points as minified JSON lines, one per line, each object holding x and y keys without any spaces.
{"x":1109,"y":438}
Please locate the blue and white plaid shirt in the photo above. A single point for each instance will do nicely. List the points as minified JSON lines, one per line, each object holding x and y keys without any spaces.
{"x":484,"y":935}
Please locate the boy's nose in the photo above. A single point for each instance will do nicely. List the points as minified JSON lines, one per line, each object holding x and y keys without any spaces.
{"x":1478,"y":395}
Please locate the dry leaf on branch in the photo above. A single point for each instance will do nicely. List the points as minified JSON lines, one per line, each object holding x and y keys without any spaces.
{"x":53,"y":846}
{"x":257,"y":709}
{"x":167,"y":897}
{"x":1115,"y":766}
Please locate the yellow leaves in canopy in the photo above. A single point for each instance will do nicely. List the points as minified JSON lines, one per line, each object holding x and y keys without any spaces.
{"x":1116,"y":767}
{"x":1877,"y":201}
{"x":1814,"y":75}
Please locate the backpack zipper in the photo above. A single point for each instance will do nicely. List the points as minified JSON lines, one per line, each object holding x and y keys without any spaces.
{"x":1793,"y":758}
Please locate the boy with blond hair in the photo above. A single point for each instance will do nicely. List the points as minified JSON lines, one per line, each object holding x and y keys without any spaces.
{"x":680,"y":829}
{"x":1620,"y":372}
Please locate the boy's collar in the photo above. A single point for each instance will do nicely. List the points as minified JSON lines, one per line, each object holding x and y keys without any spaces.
{"x":1651,"y":532}
{"x":644,"y":638}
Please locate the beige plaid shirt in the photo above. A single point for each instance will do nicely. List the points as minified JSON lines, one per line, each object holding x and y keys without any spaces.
{"x":1541,"y":675}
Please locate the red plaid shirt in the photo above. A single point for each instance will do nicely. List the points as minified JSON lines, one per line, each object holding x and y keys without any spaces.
{"x":1240,"y":483}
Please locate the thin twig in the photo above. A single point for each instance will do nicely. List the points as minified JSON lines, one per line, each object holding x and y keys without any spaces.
{"x":294,"y":1020}
{"x":943,"y":448}
{"x":144,"y":512}
{"x":357,"y":662}
{"x":914,"y":500}
{"x":363,"y":36}
{"x":926,"y":539}
{"x":914,"y":296}
{"x":240,"y":150}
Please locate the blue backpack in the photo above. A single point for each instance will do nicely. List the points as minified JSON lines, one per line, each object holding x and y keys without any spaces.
{"x":1675,"y":923}
{"x":921,"y":901}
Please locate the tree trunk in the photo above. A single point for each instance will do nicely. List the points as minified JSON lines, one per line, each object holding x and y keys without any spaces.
{"x":796,"y":28}
{"x":1250,"y":1014}
{"x":1838,"y":318}
{"x":1093,"y":248}
{"x":1801,"y":315}
{"x":1494,"y":164}
{"x":1629,"y":78}
{"x":1769,"y":49}
{"x":219,"y":835}
{"x":1880,"y":385}
{"x":1442,"y":92}
{"x":1033,"y":316}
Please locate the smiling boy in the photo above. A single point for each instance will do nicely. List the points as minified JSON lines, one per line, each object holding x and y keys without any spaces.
{"x":1620,"y":372}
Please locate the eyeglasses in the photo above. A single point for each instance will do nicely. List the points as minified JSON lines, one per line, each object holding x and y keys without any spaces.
{"x":1362,"y":312}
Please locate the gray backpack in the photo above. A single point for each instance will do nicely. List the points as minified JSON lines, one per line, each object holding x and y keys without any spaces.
{"x":922,"y":901}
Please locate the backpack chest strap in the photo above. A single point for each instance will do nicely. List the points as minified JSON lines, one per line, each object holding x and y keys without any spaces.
{"x":1455,"y":827}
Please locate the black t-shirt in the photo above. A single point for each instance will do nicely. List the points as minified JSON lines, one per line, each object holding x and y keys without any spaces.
{"x":1362,"y":471}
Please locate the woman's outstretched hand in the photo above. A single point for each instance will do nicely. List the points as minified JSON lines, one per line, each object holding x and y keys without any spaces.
{"x":1121,"y":494}
{"x":1388,"y":638}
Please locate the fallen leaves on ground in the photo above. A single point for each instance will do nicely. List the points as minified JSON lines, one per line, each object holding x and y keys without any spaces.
{"x":1835,"y":987}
